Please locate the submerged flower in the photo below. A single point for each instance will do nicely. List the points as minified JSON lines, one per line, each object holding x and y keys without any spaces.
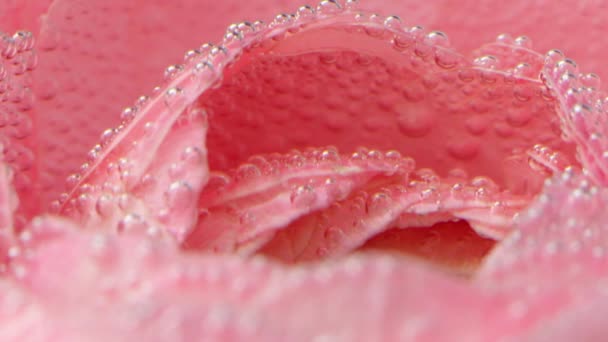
{"x":328,"y":174}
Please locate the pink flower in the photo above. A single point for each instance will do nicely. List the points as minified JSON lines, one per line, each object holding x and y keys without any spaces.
{"x":332,"y":174}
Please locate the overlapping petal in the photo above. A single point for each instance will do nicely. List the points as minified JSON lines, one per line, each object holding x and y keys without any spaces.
{"x":485,"y":126}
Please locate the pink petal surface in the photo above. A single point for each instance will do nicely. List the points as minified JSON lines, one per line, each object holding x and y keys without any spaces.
{"x":503,"y":112}
{"x":556,"y":259}
{"x":132,"y":288}
{"x":127,"y":186}
{"x":270,"y":192}
{"x":8,"y":205}
{"x":90,"y":26}
{"x":421,"y":199}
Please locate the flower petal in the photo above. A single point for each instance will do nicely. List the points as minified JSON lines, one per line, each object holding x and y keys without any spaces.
{"x":556,"y":259}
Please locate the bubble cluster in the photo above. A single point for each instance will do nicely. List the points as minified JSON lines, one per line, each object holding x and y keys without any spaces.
{"x":18,"y":58}
{"x":581,"y":108}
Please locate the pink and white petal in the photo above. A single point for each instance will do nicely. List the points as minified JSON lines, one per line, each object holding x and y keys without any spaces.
{"x":126,"y":288}
{"x":581,"y":107}
{"x":585,"y":323}
{"x":271,"y":191}
{"x":555,"y":260}
{"x":151,"y":166}
{"x":420,"y":199}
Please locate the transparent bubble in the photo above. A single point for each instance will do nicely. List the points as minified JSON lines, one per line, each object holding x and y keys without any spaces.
{"x":327,"y":7}
{"x":489,"y":62}
{"x":305,"y":12}
{"x":393,"y":23}
{"x":179,"y":195}
{"x":303,"y":195}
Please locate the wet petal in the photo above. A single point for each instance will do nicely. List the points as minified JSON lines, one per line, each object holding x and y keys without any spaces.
{"x":133,"y":288}
{"x":244,"y":209}
{"x":421,"y":200}
{"x":18,"y":132}
{"x":97,"y":56}
{"x":556,"y":259}
{"x":148,"y":173}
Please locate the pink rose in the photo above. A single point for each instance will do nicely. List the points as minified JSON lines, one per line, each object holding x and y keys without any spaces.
{"x":331,"y":174}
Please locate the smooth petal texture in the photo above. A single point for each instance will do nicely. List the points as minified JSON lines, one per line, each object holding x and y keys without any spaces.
{"x":583,"y":324}
{"x":18,"y":15}
{"x":130,"y":288}
{"x":8,"y":205}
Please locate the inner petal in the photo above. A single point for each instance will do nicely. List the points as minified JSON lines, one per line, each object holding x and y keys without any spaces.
{"x":380,"y":86}
{"x":451,"y":245}
{"x":354,"y":86}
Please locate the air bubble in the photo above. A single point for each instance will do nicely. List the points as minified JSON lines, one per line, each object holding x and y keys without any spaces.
{"x":466,"y":75}
{"x":328,"y":7}
{"x":217,"y":180}
{"x":485,"y":183}
{"x":127,"y":114}
{"x":375,"y":155}
{"x":125,"y":201}
{"x":379,"y":201}
{"x":446,"y":59}
{"x":566,"y":66}
{"x":132,"y":223}
{"x":524,"y":42}
{"x":203,"y":66}
{"x":330,"y":154}
{"x":553,"y":56}
{"x":334,"y":236}
{"x":192,"y":155}
{"x":22,"y":128}
{"x":247,"y":171}
{"x":415,"y":125}
{"x":504,"y":39}
{"x":305,"y":12}
{"x":523,"y":93}
{"x":394,"y":23}
{"x":463,"y":149}
{"x":94,"y":153}
{"x":104,"y":205}
{"x":303,"y":195}
{"x":438,"y":38}
{"x":172,"y":92}
{"x":191,"y":55}
{"x":23,"y":40}
{"x":488,"y":62}
{"x":245,"y":29}
{"x":72,"y":180}
{"x":393,"y":155}
{"x":179,"y":195}
{"x":106,"y":136}
{"x":523,"y":69}
{"x":172,"y":71}
{"x":591,"y":81}
{"x":8,"y":47}
{"x":281,"y":20}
